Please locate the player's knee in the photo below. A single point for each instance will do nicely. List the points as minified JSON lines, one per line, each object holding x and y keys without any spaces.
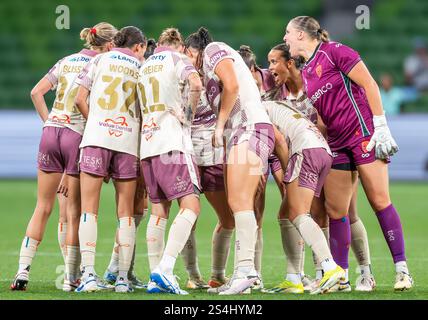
{"x":380,"y":202}
{"x":239,"y":201}
{"x":44,"y":209}
{"x":335,"y":212}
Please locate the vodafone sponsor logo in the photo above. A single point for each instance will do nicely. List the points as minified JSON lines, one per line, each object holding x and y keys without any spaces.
{"x":321,"y":91}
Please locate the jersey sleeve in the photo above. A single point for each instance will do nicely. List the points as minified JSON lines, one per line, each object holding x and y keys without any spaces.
{"x":53,"y":74}
{"x":86,"y":77}
{"x":344,"y":57}
{"x":214,"y":53}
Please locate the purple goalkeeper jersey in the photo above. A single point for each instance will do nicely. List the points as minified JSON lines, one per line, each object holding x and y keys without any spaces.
{"x":341,"y":103}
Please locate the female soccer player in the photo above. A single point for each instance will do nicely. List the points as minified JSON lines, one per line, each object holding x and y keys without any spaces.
{"x":210,"y":163}
{"x":140,"y":211}
{"x":59,"y":153}
{"x":244,"y":127}
{"x":266,"y":85}
{"x":166,"y":154}
{"x":110,"y":147}
{"x":348,"y":101}
{"x":284,"y":68}
{"x":309,"y":161}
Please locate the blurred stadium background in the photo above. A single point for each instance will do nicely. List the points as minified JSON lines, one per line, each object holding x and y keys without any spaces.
{"x":31,"y":44}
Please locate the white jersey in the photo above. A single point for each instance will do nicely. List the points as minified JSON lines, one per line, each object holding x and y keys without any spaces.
{"x":248,"y":109}
{"x":114,"y":115}
{"x":62,"y":76}
{"x":299,"y":132}
{"x":203,"y":127}
{"x":162,"y":93}
{"x":304,"y":105}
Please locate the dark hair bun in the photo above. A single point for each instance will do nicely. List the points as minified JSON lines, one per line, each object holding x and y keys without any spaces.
{"x":204,"y":36}
{"x":245,"y":49}
{"x":119,"y":39}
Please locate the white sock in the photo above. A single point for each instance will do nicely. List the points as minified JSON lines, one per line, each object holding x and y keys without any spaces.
{"x":190,"y":257}
{"x":126,"y":240}
{"x":366,"y":270}
{"x":246,"y":237}
{"x":258,"y":253}
{"x":346,"y":275}
{"x":328,"y":264}
{"x":167,"y":264}
{"x":72,"y":263}
{"x":88,"y":230}
{"x":294,"y":278}
{"x":155,"y":237}
{"x":401,"y":266}
{"x":220,"y":251}
{"x":62,"y":232}
{"x":314,"y":238}
{"x":27,"y":253}
{"x":178,"y":235}
{"x":318,"y":274}
{"x":114,"y":260}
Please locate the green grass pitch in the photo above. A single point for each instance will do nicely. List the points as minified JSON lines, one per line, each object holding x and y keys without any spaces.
{"x":17,"y":200}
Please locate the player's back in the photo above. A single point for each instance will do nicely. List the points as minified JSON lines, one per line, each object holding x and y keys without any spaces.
{"x":161,"y":87}
{"x":114,"y":120}
{"x":298,"y":130}
{"x":64,"y":113}
{"x":247,"y":109}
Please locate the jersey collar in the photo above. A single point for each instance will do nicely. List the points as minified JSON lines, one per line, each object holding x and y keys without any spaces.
{"x":313,"y":54}
{"x":126,"y":51}
{"x":162,"y":48}
{"x":87,"y":52}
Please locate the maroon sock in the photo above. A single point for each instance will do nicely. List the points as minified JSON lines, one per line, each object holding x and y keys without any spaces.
{"x":390,"y":223}
{"x":340,"y":240}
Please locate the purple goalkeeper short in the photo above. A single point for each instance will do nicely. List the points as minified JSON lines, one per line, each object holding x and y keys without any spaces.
{"x":261,"y":141}
{"x":59,"y":150}
{"x":351,"y":157}
{"x":170,"y":176}
{"x":212,"y":178}
{"x":104,"y":162}
{"x":311,"y":168}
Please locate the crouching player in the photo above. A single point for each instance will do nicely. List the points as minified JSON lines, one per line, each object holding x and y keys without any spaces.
{"x":309,"y":163}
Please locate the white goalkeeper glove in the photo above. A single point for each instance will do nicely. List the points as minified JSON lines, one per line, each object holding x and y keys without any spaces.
{"x":382,"y":140}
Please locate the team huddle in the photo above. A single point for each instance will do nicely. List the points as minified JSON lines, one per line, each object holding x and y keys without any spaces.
{"x":170,"y":119}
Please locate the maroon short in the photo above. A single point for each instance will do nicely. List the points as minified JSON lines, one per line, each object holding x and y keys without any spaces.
{"x":59,"y":150}
{"x":311,"y":168}
{"x":170,"y":176}
{"x":261,"y":141}
{"x":212,"y":178}
{"x":104,"y":162}
{"x":351,"y":157}
{"x":274,"y":164}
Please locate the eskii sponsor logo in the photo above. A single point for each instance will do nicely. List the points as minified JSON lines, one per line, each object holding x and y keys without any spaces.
{"x":92,"y":161}
{"x":124,"y":58}
{"x":321,"y":91}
